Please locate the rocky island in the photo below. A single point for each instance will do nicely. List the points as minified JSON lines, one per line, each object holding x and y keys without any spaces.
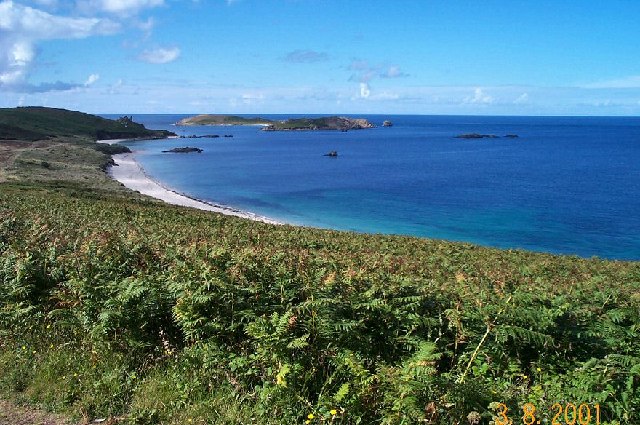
{"x":298,"y":124}
{"x":218,"y":119}
{"x":483,"y":136}
{"x":476,"y":136}
{"x":186,"y":149}
{"x":324,"y":123}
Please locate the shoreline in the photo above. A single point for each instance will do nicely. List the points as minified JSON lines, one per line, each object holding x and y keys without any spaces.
{"x":130,"y":173}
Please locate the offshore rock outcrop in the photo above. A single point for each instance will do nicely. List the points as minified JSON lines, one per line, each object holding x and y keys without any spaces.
{"x":185,"y":149}
{"x":319,"y":124}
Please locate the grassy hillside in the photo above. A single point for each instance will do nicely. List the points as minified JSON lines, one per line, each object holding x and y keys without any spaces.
{"x":56,"y":147}
{"x":116,"y":306}
{"x":39,"y":123}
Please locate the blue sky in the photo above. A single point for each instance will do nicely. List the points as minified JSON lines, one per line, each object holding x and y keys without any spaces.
{"x":486,"y":57}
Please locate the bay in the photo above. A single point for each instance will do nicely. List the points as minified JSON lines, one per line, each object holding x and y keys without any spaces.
{"x":566,"y":185}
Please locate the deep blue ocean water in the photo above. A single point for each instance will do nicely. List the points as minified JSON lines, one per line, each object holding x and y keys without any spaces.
{"x":566,"y":185}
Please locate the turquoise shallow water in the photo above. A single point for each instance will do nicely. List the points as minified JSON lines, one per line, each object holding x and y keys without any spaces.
{"x":565,"y":185}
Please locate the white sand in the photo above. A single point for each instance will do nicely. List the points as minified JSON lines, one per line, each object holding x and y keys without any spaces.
{"x":129,"y":172}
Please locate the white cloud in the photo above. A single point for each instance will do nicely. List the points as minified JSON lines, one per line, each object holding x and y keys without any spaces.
{"x":21,"y":27}
{"x":33,"y":24}
{"x":252,"y":98}
{"x":365,"y":91}
{"x":92,"y":79}
{"x":147,"y":26}
{"x":522,"y":99}
{"x":364,"y":73}
{"x":160,"y":55}
{"x":479,"y":97}
{"x":393,"y":71}
{"x":120,"y":7}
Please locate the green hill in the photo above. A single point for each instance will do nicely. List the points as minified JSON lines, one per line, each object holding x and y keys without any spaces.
{"x":40,"y":123}
{"x":48,"y":145}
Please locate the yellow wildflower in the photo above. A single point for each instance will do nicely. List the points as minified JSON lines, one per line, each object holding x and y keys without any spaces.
{"x":310,"y":416}
{"x":333,"y":412}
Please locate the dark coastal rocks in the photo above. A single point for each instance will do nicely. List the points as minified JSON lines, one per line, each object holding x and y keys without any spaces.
{"x":387,"y":123}
{"x":205,"y":136}
{"x":476,"y":136}
{"x":185,"y":149}
{"x":484,"y":136}
{"x":113,"y":149}
{"x":332,"y":154}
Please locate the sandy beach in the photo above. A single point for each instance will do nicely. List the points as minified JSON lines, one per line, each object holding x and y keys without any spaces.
{"x":129,"y":172}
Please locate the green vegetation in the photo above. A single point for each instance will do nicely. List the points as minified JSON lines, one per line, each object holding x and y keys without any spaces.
{"x":61,"y":148}
{"x":216,"y":119}
{"x":118,"y":306}
{"x":39,"y":123}
{"x":160,"y":313}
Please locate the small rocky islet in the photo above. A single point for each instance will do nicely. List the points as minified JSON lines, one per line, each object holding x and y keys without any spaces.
{"x":293,"y":124}
{"x":484,"y":136}
{"x":186,"y":149}
{"x":205,"y":136}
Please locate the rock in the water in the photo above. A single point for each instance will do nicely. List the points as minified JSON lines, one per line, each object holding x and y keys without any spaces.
{"x":387,"y":123}
{"x":333,"y":154}
{"x":206,"y":136}
{"x":186,"y":149}
{"x":512,"y":136}
{"x":476,"y":136}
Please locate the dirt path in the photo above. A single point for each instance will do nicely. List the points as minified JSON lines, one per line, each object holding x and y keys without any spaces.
{"x":10,"y":414}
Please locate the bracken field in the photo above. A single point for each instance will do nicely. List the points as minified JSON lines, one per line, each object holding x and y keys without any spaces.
{"x":164,"y":314}
{"x":114,"y":306}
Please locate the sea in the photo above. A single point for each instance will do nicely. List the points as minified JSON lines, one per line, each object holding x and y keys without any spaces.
{"x":565,"y":185}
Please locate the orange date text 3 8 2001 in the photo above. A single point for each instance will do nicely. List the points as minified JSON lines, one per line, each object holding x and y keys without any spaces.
{"x":569,"y":414}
